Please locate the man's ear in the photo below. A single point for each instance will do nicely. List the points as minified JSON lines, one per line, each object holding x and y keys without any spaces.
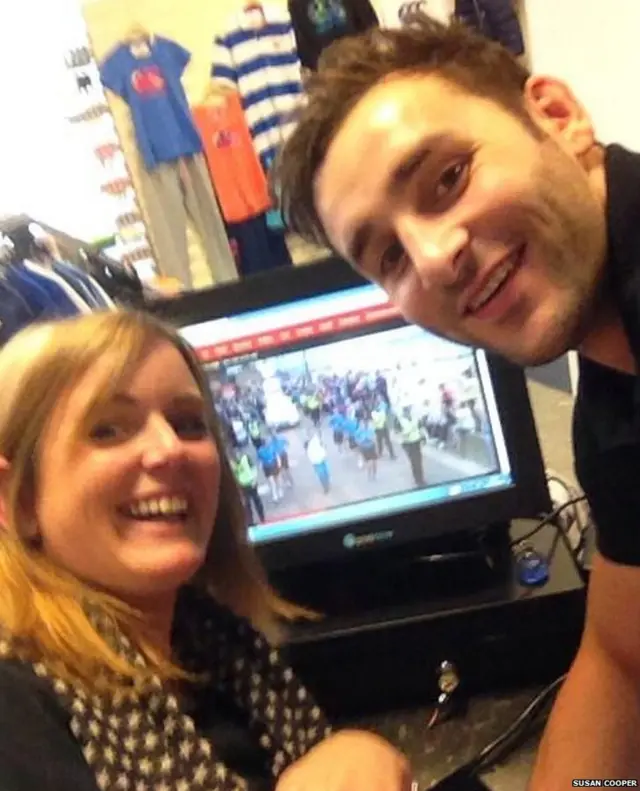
{"x":4,"y":474}
{"x":553,"y":107}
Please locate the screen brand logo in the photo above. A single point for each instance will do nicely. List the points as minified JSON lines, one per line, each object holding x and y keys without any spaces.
{"x":351,"y":541}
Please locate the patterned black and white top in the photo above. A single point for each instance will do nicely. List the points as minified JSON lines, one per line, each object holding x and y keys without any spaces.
{"x":156,"y":740}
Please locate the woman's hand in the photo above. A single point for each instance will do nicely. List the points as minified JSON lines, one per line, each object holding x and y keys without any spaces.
{"x":349,"y":761}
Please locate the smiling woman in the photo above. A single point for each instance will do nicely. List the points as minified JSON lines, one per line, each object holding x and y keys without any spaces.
{"x":137,"y":627}
{"x":98,"y":415}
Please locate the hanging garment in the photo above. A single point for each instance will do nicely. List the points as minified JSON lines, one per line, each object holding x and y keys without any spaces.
{"x":92,"y":293}
{"x":496,"y":19}
{"x":172,"y":191}
{"x":239,"y":728}
{"x":15,"y":310}
{"x":119,"y":280}
{"x":30,"y":292}
{"x":149,"y":80}
{"x":392,"y":13}
{"x":259,"y":57}
{"x":319,"y":22}
{"x":63,"y":298}
{"x":256,"y":247}
{"x":238,"y":177}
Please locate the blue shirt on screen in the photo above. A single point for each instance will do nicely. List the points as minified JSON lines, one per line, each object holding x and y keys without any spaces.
{"x":280,"y":445}
{"x":151,"y":86}
{"x":365,"y":438}
{"x":337,"y":422}
{"x":268,"y":454}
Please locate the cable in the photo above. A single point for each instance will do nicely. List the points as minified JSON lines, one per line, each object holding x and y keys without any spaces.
{"x":570,"y":493}
{"x":498,"y":748}
{"x":519,"y":729}
{"x":547,"y":520}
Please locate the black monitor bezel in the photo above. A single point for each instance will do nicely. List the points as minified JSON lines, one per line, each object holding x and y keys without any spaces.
{"x":528,"y":497}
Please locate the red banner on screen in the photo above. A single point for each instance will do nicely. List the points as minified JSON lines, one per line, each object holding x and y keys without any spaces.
{"x":284,"y":336}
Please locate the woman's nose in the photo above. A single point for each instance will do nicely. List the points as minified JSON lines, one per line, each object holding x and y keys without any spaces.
{"x":162,"y":444}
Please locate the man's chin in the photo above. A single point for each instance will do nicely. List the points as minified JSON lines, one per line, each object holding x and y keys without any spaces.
{"x":545,"y":351}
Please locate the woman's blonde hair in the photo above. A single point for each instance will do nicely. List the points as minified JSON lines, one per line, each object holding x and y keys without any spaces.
{"x":43,"y":609}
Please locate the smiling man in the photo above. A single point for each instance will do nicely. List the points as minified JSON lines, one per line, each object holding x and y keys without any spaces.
{"x":478,"y":196}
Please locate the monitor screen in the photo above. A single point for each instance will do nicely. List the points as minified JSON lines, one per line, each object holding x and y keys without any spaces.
{"x":336,"y":412}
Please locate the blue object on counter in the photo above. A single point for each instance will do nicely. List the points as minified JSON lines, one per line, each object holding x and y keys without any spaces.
{"x":532,"y":567}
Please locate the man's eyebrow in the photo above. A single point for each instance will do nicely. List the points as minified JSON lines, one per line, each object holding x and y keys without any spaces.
{"x":407,"y":167}
{"x":359,"y":243}
{"x":397,"y":180}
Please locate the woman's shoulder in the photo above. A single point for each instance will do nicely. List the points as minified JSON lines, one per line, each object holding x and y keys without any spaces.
{"x":37,"y":749}
{"x":18,"y":681}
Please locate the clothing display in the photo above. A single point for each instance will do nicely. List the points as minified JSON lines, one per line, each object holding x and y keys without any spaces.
{"x":90,"y":291}
{"x":496,"y":19}
{"x":319,"y":22}
{"x":258,"y":56}
{"x":32,"y":292}
{"x":120,"y":281}
{"x":393,"y":13}
{"x":172,"y":191}
{"x":238,"y":177}
{"x":147,"y":75}
{"x":606,"y":426}
{"x":257,"y":247}
{"x":240,"y":728}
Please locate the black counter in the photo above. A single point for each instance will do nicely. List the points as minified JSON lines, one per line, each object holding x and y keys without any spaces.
{"x":437,"y":752}
{"x":520,"y":668}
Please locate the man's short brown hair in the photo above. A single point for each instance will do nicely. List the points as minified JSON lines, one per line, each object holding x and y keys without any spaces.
{"x":349,"y":68}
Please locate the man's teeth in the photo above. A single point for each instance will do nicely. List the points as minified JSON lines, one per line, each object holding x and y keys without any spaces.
{"x":162,"y":506}
{"x":497,"y":279}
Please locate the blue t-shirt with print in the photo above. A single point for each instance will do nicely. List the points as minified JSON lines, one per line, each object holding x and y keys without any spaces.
{"x":149,"y":81}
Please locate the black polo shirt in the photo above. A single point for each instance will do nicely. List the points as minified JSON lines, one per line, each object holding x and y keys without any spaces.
{"x":606,"y":425}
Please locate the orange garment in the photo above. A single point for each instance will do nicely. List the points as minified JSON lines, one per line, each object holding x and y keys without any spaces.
{"x":236,"y":172}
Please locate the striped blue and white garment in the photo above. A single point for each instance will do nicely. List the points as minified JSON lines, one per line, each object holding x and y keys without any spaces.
{"x":31,"y":292}
{"x":258,"y":55}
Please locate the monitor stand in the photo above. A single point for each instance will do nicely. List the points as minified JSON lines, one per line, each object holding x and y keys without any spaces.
{"x":380,"y":585}
{"x":391,"y":622}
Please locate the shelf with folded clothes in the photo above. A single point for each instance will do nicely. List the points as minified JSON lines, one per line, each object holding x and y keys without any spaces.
{"x":92,"y":116}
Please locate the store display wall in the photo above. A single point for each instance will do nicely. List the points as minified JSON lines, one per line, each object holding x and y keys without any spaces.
{"x":193,"y":24}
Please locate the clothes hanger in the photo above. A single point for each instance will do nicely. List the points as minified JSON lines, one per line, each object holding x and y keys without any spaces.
{"x":255,"y":5}
{"x":216,"y":90}
{"x":137,"y":34}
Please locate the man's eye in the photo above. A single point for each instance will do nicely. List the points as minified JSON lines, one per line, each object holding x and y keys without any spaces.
{"x":451,"y":179}
{"x":391,"y":258}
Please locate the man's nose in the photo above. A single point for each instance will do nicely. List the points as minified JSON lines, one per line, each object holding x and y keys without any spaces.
{"x":437,"y":250}
{"x":162,"y":443}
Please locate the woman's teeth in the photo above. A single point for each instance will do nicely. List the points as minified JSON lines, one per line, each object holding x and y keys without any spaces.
{"x":162,"y":506}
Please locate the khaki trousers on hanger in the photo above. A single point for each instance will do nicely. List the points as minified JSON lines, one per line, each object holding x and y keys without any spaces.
{"x":172,"y":192}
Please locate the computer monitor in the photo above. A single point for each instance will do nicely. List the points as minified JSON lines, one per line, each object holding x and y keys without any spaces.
{"x":349,"y":430}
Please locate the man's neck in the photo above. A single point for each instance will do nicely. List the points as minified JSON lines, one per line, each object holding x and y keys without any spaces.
{"x":607,"y":344}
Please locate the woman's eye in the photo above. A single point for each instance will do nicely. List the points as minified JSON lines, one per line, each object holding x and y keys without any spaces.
{"x":451,"y":179}
{"x":190,"y":427}
{"x":108,"y":431}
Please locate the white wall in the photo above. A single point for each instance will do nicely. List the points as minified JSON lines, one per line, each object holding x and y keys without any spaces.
{"x":45,"y":170}
{"x":593,"y":45}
